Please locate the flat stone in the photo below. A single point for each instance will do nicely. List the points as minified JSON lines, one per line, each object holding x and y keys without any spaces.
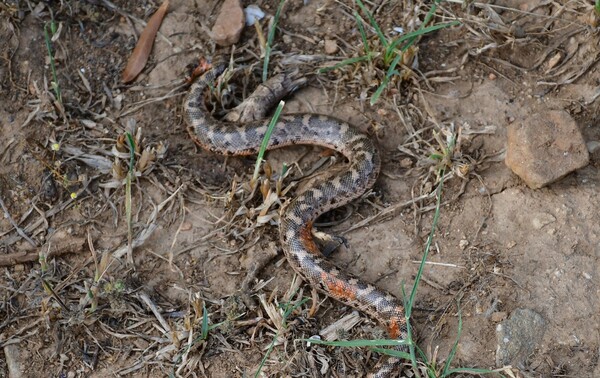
{"x":545,"y":147}
{"x":229,"y":24}
{"x":518,"y":337}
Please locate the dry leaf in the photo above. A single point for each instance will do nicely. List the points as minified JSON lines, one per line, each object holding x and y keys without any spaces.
{"x":140,"y":54}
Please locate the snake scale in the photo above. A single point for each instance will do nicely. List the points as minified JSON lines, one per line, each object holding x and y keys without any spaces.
{"x":296,"y":222}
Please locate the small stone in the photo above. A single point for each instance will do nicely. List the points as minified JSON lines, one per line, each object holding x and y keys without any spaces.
{"x":15,"y":361}
{"x":186,"y":226}
{"x":406,"y":163}
{"x":545,"y":147}
{"x":464,"y":243}
{"x":253,"y":13}
{"x":498,"y":316}
{"x":492,"y":76}
{"x":592,"y":146}
{"x":229,"y":25}
{"x":331,"y":46}
{"x":518,"y":336}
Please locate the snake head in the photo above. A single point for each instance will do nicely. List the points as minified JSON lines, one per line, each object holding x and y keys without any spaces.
{"x":208,"y":69}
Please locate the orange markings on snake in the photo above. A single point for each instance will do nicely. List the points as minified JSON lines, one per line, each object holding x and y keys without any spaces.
{"x":307,"y":239}
{"x":337,"y":287}
{"x":395,"y":327}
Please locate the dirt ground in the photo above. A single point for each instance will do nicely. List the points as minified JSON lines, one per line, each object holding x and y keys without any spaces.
{"x":71,"y":305}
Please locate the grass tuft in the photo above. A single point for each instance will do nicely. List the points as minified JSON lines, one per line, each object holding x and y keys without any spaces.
{"x":286,"y":308}
{"x":393,"y":51}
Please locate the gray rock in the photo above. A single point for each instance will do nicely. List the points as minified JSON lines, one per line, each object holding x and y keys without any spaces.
{"x":518,"y":336}
{"x":545,"y":147}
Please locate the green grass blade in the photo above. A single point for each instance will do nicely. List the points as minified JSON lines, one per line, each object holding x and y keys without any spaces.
{"x":359,"y":343}
{"x":379,"y":90}
{"x":413,"y":35}
{"x":54,"y":83}
{"x":363,"y":34}
{"x":373,"y":344}
{"x":373,"y":23}
{"x":204,"y":329}
{"x":270,"y":39}
{"x":407,"y":315}
{"x":455,"y":346}
{"x":288,"y":308}
{"x":265,"y":142}
{"x":392,"y":68}
{"x":203,"y":336}
{"x":346,"y":62}
{"x":267,"y":354}
{"x":436,"y":217}
{"x":426,"y":21}
{"x":386,"y":79}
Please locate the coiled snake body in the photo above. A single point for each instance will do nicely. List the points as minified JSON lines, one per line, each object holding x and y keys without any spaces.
{"x":297,"y":220}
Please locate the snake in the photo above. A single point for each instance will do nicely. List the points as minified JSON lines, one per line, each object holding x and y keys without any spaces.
{"x":298,"y":217}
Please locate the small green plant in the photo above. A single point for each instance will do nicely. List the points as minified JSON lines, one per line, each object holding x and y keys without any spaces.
{"x":287,"y":308}
{"x":394,"y":51}
{"x":597,"y":7}
{"x":48,"y":39}
{"x":205,"y":328}
{"x":270,"y":38}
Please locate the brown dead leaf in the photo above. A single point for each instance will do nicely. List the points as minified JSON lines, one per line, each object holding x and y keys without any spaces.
{"x":140,"y":54}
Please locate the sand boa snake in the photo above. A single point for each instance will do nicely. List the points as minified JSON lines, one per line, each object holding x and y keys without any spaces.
{"x":297,"y":219}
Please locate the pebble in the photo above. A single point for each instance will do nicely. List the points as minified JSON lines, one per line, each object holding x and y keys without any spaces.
{"x":331,"y":46}
{"x":19,"y":268}
{"x":498,"y":316}
{"x":13,"y":360}
{"x":229,"y":24}
{"x":545,"y":147}
{"x":593,"y":146}
{"x":518,"y":336}
{"x":406,"y":163}
{"x":186,"y":226}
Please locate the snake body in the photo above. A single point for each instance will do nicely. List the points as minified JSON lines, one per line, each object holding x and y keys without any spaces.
{"x":297,"y":219}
